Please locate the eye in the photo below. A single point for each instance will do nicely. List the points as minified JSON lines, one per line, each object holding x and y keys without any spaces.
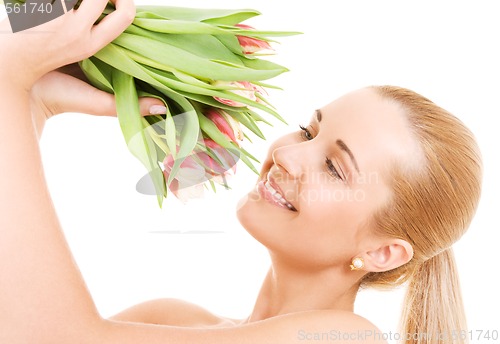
{"x":331,"y":169}
{"x":306,"y":133}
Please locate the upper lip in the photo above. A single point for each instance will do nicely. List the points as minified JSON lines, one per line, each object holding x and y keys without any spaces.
{"x":274,"y":185}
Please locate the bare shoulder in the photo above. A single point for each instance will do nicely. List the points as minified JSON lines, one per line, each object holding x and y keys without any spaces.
{"x":172,"y":312}
{"x":322,"y":326}
{"x":327,"y":326}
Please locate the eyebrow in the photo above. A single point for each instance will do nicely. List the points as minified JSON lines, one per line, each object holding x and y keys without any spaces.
{"x":340,"y":143}
{"x":319,"y":115}
{"x":346,"y":149}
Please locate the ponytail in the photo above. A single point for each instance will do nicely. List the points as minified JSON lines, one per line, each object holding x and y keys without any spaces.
{"x":433,"y":311}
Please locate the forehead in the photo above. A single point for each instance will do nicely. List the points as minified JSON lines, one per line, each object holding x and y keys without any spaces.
{"x":376,"y":129}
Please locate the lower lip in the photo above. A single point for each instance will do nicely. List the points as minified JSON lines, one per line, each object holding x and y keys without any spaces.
{"x":266,"y":194}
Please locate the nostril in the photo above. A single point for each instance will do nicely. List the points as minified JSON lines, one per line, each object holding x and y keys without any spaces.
{"x":288,"y":161}
{"x":280,"y":174}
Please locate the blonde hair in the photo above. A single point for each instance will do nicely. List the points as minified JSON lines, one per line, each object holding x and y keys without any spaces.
{"x":431,"y":208}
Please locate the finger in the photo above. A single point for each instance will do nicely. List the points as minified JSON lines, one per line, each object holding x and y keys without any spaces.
{"x":151,"y":106}
{"x":81,"y":97}
{"x":100,"y":103}
{"x":147,"y":106}
{"x":113,"y":24}
{"x":84,"y":98}
{"x":89,"y":11}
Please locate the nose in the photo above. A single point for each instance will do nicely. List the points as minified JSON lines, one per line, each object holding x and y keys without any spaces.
{"x":291,"y":159}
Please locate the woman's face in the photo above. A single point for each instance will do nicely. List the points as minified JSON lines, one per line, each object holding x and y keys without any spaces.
{"x":319,"y":186}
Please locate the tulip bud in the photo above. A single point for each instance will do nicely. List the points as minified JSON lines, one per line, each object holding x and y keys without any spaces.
{"x":199,"y":167}
{"x":188,"y":182}
{"x":226,"y":124}
{"x":245,"y":89}
{"x":259,"y":90}
{"x":226,"y":160}
{"x":252,"y":45}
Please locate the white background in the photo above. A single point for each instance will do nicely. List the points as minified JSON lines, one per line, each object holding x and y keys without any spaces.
{"x":446,"y":50}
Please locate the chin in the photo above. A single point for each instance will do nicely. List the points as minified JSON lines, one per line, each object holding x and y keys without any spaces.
{"x":250,"y":216}
{"x":259,"y":221}
{"x":246,"y":211}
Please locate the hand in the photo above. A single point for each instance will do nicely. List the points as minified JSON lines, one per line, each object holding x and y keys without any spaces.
{"x":66,"y":90}
{"x":28,"y":55}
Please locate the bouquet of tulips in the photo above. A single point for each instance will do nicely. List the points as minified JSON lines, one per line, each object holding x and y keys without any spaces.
{"x":206,"y":68}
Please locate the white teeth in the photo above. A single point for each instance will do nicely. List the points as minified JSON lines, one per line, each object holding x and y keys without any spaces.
{"x":279,"y":197}
{"x":270,"y":188}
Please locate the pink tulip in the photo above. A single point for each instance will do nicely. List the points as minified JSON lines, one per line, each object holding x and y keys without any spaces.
{"x":188,"y":182}
{"x":226,"y":124}
{"x":252,"y":45}
{"x":259,"y":90}
{"x":246,"y":89}
{"x":226,"y":158}
{"x":198,"y":168}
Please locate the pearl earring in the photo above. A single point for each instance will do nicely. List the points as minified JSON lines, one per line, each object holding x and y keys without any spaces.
{"x":357,"y":263}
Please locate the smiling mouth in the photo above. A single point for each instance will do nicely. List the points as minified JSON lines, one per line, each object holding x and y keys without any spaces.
{"x":277,"y":195}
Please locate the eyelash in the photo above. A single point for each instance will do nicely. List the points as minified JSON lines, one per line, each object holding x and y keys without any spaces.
{"x":306,"y":135}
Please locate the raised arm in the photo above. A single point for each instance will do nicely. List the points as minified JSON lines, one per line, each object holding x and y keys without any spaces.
{"x":42,"y":295}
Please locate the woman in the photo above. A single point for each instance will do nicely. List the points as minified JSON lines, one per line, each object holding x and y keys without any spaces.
{"x":373,"y":192}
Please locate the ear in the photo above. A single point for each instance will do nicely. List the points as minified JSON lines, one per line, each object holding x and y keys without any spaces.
{"x":390,"y":255}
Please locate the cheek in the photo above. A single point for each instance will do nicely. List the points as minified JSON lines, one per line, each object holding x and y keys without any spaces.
{"x":336,"y":215}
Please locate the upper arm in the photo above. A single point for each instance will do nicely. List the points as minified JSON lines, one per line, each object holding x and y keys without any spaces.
{"x":168,"y":312}
{"x":42,"y":293}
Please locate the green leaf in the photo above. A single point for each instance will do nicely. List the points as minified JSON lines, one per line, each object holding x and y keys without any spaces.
{"x":153,"y":23}
{"x":258,"y":33}
{"x":222,"y":16}
{"x":194,"y":92}
{"x":234,"y":18}
{"x":247,"y":121}
{"x":203,"y":46}
{"x":117,"y":58}
{"x":189,"y":63}
{"x":100,"y":76}
{"x":139,"y":144}
{"x":231,"y":42}
{"x":212,"y":184}
{"x":249,"y":155}
{"x":265,"y":85}
{"x":167,"y":124}
{"x":258,"y":118}
{"x":189,"y":135}
{"x":262,"y":64}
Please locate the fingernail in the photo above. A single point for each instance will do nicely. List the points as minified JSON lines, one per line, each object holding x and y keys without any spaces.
{"x":157,"y":110}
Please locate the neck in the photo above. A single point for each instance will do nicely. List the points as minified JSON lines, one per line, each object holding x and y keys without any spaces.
{"x":288,"y":289}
